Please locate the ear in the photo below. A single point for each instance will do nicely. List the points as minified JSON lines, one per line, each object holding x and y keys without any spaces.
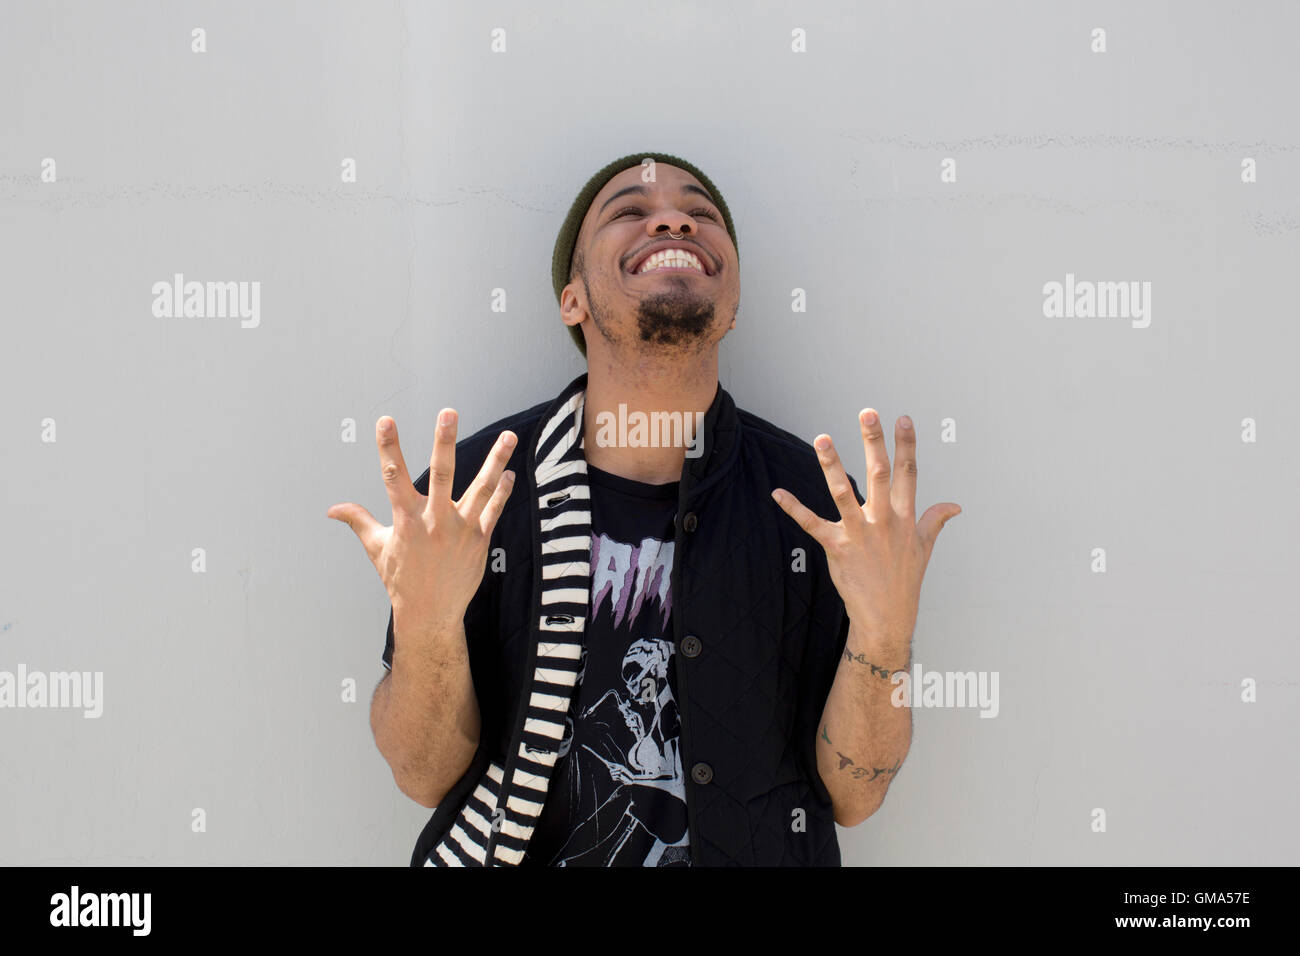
{"x":571,"y":310}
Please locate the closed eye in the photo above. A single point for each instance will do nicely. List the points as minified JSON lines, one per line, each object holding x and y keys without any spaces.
{"x":707,"y":213}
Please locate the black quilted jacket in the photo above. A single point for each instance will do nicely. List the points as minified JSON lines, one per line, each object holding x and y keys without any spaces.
{"x":758,"y":626}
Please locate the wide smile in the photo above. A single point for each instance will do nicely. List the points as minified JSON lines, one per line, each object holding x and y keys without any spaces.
{"x":669,"y":257}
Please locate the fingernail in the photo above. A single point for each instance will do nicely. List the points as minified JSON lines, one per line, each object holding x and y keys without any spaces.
{"x":508,"y":441}
{"x":870,"y":418}
{"x":906,"y":422}
{"x":444,"y":418}
{"x":822,"y":444}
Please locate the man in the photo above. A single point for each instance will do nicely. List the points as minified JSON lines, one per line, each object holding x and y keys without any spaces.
{"x":639,"y":660}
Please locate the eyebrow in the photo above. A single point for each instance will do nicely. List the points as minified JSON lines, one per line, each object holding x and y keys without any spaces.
{"x":687,"y":188}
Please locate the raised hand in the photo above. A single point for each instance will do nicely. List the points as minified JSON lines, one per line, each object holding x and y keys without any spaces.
{"x":433,"y":556}
{"x":877,"y":553}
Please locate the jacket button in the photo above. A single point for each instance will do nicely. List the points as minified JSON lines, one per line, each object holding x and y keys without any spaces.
{"x":690,"y":521}
{"x":691,"y":646}
{"x":701,"y":773}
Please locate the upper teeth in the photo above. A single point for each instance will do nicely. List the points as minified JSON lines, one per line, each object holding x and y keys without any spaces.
{"x":676,"y":258}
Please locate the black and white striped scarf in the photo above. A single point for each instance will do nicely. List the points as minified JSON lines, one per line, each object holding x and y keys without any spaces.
{"x":500,"y":815}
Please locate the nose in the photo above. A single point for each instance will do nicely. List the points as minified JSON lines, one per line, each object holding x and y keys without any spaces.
{"x":673,"y":223}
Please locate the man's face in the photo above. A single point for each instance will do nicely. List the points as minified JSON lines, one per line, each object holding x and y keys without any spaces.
{"x":672,"y":308}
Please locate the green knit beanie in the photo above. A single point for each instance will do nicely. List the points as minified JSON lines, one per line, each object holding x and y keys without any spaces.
{"x":562,"y":258}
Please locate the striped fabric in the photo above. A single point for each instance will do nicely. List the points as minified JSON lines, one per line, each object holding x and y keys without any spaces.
{"x":514,"y":795}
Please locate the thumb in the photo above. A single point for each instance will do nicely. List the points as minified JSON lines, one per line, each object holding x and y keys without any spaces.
{"x":355,"y":517}
{"x":932,"y":522}
{"x":803,"y":516}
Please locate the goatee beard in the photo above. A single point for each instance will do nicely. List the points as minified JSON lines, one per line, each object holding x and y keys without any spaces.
{"x":675,"y":319}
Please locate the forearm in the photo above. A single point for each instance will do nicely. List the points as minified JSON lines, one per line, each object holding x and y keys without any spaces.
{"x":425,"y":714}
{"x":863,"y":737}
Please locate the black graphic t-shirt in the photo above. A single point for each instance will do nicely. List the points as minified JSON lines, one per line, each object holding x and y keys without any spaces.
{"x":617,"y":795}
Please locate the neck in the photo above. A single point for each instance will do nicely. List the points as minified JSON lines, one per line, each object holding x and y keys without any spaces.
{"x":646,"y":387}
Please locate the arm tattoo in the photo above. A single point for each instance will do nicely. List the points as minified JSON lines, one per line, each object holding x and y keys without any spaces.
{"x":877,"y":671}
{"x":860,"y":773}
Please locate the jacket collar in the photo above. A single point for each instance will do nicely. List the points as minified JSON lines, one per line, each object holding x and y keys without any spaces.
{"x":721,"y":433}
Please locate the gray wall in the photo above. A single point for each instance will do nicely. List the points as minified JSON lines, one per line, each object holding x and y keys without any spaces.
{"x":1118,"y":690}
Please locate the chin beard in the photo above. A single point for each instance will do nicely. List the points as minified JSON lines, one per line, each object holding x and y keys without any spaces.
{"x":676,"y":319}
